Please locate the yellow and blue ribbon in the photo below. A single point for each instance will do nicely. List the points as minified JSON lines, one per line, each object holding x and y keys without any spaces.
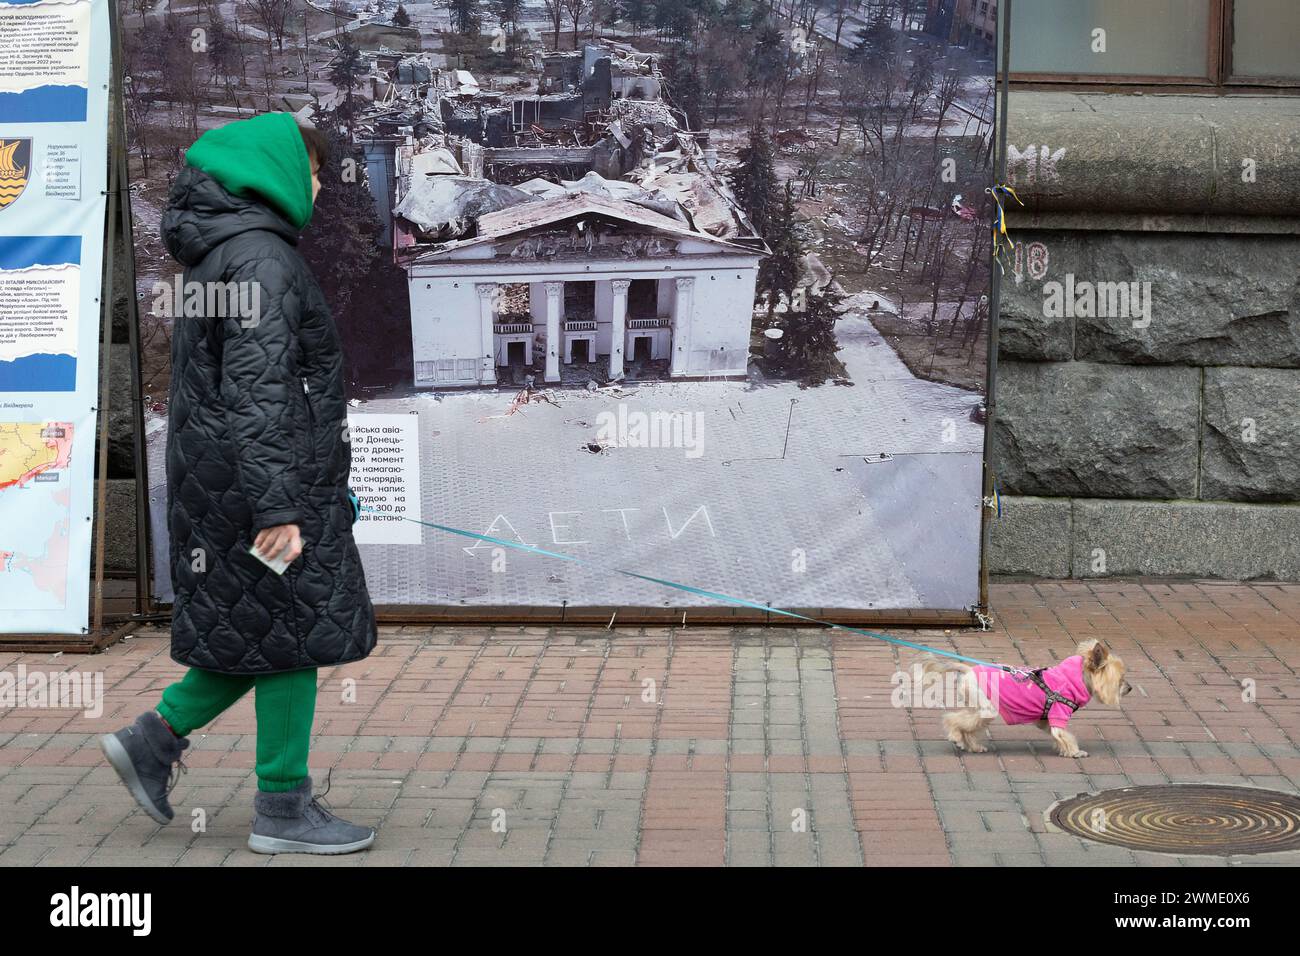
{"x":1000,"y":234}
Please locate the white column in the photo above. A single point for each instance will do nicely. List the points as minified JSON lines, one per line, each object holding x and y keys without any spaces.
{"x":683,"y":310}
{"x":537,"y":303}
{"x":554,"y":341}
{"x":487,"y":293}
{"x":617,"y":325}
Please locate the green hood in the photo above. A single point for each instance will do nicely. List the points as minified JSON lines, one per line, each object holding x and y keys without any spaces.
{"x":262,"y":157}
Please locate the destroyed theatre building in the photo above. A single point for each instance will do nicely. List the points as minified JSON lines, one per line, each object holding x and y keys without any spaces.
{"x":595,"y":277}
{"x":575,"y":224}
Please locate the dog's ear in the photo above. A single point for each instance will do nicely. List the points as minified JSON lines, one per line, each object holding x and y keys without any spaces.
{"x":1097,"y":656}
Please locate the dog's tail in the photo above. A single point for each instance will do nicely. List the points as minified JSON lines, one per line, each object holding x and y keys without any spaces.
{"x":933,"y":668}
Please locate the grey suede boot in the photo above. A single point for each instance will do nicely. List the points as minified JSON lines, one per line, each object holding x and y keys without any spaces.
{"x":297,"y":822}
{"x":143,"y":755}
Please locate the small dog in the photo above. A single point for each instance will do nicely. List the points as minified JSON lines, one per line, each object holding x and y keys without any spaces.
{"x":1048,"y":697}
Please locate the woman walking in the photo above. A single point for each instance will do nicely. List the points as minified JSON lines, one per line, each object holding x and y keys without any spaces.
{"x":257,"y":457}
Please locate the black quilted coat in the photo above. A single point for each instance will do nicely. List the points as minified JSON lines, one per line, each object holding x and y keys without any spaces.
{"x":256,"y":438}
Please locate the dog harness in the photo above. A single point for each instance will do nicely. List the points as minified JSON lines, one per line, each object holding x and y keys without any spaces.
{"x":1051,"y":697}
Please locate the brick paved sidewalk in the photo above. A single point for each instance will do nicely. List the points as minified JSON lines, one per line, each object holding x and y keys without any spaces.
{"x":690,"y":746}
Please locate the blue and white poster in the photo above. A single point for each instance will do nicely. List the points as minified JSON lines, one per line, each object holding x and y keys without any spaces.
{"x":54,"y":71}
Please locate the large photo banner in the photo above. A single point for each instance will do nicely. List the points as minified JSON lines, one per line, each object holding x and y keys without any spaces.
{"x":696,"y":290}
{"x":54,"y":80}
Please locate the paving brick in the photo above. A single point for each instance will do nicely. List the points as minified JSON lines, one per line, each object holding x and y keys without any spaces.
{"x":752,"y":726}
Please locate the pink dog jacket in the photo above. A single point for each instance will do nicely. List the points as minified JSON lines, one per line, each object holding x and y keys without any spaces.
{"x":1021,"y":701}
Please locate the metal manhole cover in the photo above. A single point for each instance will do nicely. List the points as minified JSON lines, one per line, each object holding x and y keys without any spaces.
{"x":1192,"y":819}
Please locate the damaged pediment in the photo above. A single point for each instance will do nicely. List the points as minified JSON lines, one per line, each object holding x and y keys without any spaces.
{"x":580,"y":225}
{"x":586,"y":239}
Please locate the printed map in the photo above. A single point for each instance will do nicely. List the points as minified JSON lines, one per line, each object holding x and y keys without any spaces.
{"x":35,"y":501}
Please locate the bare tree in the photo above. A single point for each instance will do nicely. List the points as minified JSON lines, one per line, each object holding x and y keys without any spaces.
{"x":817,"y":57}
{"x":944,"y":250}
{"x":239,"y":45}
{"x":139,"y":98}
{"x":304,"y":54}
{"x":871,"y":107}
{"x":555,"y":10}
{"x":576,"y":10}
{"x":273,"y":17}
{"x":841,"y":10}
{"x":974,"y":267}
{"x":771,"y":64}
{"x":466,"y":18}
{"x":722,"y":65}
{"x":880,"y":200}
{"x":907,"y":12}
{"x":603,"y":13}
{"x":787,"y":65}
{"x":179,"y":75}
{"x":945,"y":93}
{"x":268,"y":80}
{"x":225,"y":49}
{"x":920,"y":81}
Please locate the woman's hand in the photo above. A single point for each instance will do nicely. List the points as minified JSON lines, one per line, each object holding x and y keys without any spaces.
{"x":283,"y":540}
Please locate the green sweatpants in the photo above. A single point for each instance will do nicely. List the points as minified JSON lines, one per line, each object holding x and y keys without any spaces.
{"x":286,"y":705}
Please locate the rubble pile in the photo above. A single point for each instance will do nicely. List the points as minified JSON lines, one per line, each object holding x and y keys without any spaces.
{"x":594,"y":125}
{"x":653,"y":113}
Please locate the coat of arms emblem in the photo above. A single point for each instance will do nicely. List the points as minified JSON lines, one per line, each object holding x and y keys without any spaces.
{"x":15,"y":161}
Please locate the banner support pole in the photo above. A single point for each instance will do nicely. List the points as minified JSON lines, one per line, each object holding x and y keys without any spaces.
{"x":106,"y":296}
{"x":121,"y":155}
{"x":995,"y":297}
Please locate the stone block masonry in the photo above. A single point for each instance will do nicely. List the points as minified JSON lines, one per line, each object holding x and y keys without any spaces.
{"x":1148,"y":406}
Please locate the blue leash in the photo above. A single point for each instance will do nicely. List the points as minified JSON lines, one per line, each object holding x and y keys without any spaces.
{"x":726,"y":598}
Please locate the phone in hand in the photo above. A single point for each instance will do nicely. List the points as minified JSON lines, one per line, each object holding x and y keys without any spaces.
{"x":276,"y":564}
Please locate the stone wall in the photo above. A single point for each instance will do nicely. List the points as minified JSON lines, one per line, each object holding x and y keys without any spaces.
{"x":1158,"y":435}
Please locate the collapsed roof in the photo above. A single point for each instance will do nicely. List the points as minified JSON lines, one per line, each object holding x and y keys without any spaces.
{"x":442,"y":204}
{"x":444,"y":207}
{"x":596,"y":185}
